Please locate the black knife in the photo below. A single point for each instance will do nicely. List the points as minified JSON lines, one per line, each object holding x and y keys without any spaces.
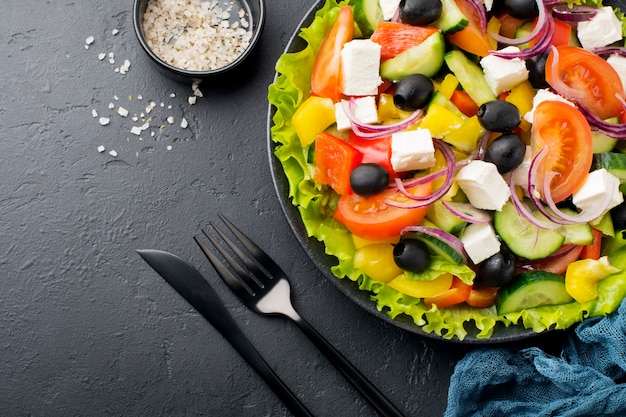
{"x":189,"y":283}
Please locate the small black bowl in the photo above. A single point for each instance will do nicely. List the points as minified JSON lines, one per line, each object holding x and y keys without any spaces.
{"x":255,"y":14}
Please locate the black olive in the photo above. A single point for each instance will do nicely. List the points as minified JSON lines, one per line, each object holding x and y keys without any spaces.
{"x":369,"y":179}
{"x":618,"y":215}
{"x":497,"y":270}
{"x":506,"y":152}
{"x":420,"y":12}
{"x":499,"y":116}
{"x":413,"y":92}
{"x":522,"y":9}
{"x":536,"y":66}
{"x":411,"y":255}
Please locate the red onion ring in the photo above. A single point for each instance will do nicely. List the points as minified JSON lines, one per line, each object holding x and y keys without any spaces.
{"x":371,"y":131}
{"x":539,"y":27}
{"x":526,"y":213}
{"x":557,"y":83}
{"x":434,"y":196}
{"x":614,"y":130}
{"x":540,"y":46}
{"x":447,"y":238}
{"x":573,"y":13}
{"x":467,"y":212}
{"x":481,"y":13}
{"x":610,"y":50}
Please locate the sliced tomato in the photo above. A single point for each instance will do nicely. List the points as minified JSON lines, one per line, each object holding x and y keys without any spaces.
{"x":593,"y":251}
{"x":592,"y":77}
{"x":482,"y":297}
{"x":395,"y":38}
{"x":371,"y":218}
{"x":558,"y":265}
{"x":457,"y":294}
{"x":471,"y":38}
{"x":326,"y":73}
{"x":334,"y":161}
{"x":561,"y":35}
{"x":464,"y":102}
{"x":565,"y":134}
{"x":374,"y":150}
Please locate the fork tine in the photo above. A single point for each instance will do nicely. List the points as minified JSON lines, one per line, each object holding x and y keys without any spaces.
{"x":222,"y":270}
{"x":240,"y":271}
{"x":263,"y":258}
{"x":256,"y":271}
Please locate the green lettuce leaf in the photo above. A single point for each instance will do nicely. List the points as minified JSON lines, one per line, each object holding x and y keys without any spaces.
{"x":315,"y":204}
{"x":439,"y":265}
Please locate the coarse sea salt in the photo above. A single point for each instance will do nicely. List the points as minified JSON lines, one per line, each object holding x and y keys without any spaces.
{"x":193,"y":35}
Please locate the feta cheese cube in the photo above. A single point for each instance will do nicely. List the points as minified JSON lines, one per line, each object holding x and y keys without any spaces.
{"x":503,"y":74}
{"x":598,"y":186}
{"x":341,"y":118}
{"x":389,"y":8}
{"x":412,"y":150}
{"x":480,"y":241}
{"x":601,"y":30}
{"x":520,"y":174}
{"x":483,"y":185}
{"x":540,"y":97}
{"x":618,"y":63}
{"x":360,"y":63}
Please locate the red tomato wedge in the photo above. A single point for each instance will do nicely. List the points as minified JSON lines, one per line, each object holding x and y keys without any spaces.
{"x":370,"y":218}
{"x":334,"y":161}
{"x":482,"y":297}
{"x":326,"y":73}
{"x":457,"y":294}
{"x":593,"y":251}
{"x":471,"y":38}
{"x":595,"y":80}
{"x":558,"y":265}
{"x":565,"y":134}
{"x":374,"y":150}
{"x":395,"y":38}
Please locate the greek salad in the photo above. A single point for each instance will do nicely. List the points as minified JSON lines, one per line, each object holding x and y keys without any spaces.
{"x":464,"y":160}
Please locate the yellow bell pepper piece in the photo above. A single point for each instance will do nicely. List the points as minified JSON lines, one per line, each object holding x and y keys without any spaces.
{"x":387,"y":110}
{"x":466,"y":136}
{"x":440,"y":121}
{"x":582,"y":277}
{"x":377,"y":261}
{"x":313,"y":116}
{"x":522,"y":96}
{"x":359,"y":242}
{"x":448,"y":85}
{"x":421,"y":289}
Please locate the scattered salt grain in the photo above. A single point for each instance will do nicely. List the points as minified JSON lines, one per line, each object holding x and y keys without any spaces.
{"x":170,"y":120}
{"x":184,"y":123}
{"x":114,"y":32}
{"x":104,"y":121}
{"x":113,"y":153}
{"x":115,"y":97}
{"x":111,"y":106}
{"x":89,"y":41}
{"x":135,"y":130}
{"x":139,"y":97}
{"x":169,"y":147}
{"x":122,"y":111}
{"x":100,"y":148}
{"x":101,"y":56}
{"x":172,"y":95}
{"x":192,"y":100}
{"x":94,"y":113}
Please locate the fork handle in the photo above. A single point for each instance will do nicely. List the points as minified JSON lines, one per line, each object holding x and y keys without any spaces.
{"x":349,"y":371}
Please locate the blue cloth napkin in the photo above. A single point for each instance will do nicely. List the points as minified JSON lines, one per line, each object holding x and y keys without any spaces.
{"x":588,"y":379}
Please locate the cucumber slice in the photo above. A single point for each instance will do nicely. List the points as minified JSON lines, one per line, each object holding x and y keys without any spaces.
{"x":576,"y":234}
{"x":613,"y":162}
{"x":523,"y":238}
{"x":532,"y":289}
{"x":367,"y":14}
{"x":452,"y":19}
{"x":425,"y":58}
{"x":470,"y":76}
{"x":444,"y":220}
{"x":437,"y":247}
{"x":602,"y":142}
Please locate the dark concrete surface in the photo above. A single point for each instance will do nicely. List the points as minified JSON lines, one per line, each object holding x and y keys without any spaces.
{"x":86,"y":327}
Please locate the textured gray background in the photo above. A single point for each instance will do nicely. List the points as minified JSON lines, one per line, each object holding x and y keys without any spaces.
{"x":87,"y":328}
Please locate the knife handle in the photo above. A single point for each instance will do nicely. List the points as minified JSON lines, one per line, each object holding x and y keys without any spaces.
{"x":243,"y":345}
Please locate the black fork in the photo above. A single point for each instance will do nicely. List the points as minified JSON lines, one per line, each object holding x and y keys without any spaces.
{"x":265,"y":289}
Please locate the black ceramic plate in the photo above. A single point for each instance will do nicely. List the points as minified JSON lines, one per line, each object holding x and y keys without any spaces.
{"x":315,"y":249}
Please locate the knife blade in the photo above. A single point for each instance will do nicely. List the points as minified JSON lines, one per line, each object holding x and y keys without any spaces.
{"x":192,"y":286}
